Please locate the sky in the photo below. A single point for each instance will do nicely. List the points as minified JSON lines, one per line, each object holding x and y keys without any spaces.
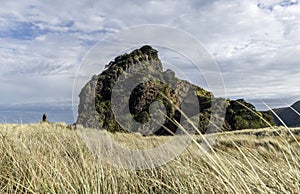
{"x":255,"y":43}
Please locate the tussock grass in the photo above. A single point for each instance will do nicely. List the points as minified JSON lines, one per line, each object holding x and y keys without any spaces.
{"x":48,"y":158}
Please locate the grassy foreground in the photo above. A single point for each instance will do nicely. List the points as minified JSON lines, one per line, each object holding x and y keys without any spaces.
{"x":48,"y":158}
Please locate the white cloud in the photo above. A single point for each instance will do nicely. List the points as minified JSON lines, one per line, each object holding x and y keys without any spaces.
{"x":255,"y":43}
{"x":257,"y":49}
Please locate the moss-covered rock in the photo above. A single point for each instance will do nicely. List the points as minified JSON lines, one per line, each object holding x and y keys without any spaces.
{"x":178,"y":96}
{"x":243,"y":115}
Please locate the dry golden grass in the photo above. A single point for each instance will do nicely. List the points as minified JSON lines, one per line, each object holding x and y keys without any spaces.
{"x":48,"y":158}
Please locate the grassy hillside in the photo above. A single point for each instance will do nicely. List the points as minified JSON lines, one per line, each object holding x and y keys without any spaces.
{"x":48,"y":158}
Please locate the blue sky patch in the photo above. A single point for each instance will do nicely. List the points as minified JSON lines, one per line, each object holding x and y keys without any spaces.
{"x":23,"y":31}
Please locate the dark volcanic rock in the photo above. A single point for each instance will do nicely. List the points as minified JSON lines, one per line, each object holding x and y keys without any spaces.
{"x":109,"y":102}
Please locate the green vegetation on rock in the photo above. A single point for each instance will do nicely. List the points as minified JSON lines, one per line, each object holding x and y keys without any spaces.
{"x":243,"y":115}
{"x":95,"y":108}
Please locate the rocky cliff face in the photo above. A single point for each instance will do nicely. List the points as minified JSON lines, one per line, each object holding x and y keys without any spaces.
{"x":97,"y":108}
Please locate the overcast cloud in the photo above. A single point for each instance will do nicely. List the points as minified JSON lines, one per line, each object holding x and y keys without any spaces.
{"x":255,"y":43}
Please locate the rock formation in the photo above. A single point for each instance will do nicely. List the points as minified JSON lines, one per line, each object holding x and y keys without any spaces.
{"x":178,"y":96}
{"x":243,"y":115}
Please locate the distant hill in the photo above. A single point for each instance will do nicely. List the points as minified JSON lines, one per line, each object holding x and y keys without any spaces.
{"x":288,"y":115}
